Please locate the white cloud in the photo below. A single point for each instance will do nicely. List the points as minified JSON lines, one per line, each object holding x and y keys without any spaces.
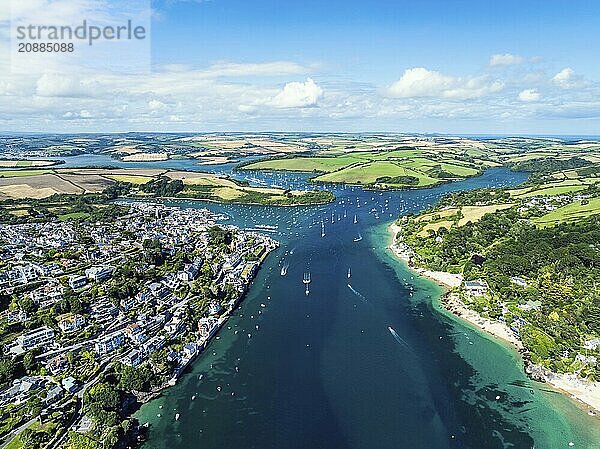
{"x":529,"y":95}
{"x":505,"y":59}
{"x":274,"y":68}
{"x":156,"y":105}
{"x":568,"y":79}
{"x":298,"y":95}
{"x":420,"y":82}
{"x":58,"y":85}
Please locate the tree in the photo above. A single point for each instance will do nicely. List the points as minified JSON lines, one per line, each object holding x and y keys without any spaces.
{"x":219,"y":236}
{"x":110,"y":438}
{"x":32,"y":439}
{"x":29,"y":362}
{"x":136,"y":378}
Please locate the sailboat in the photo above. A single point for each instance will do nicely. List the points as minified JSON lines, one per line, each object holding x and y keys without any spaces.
{"x":349,"y":273}
{"x":358,"y":238}
{"x":355,"y":219}
{"x":306,"y":281}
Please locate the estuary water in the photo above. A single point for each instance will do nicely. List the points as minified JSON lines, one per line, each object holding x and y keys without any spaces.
{"x":366,"y":359}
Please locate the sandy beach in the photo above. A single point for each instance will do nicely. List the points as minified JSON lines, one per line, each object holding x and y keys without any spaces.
{"x":448,"y":280}
{"x":586,"y":393}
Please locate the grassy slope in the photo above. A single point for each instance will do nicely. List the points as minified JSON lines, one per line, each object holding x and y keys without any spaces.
{"x":365,"y":167}
{"x":304,"y":164}
{"x":570,"y":212}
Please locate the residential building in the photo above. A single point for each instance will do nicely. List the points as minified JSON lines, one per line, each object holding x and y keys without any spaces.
{"x":77,"y":281}
{"x":35,"y":338}
{"x":476,"y":288}
{"x":99,"y":273}
{"x":71,"y":323}
{"x":109,"y":343}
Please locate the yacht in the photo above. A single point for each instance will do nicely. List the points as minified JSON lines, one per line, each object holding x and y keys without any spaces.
{"x":306,"y":280}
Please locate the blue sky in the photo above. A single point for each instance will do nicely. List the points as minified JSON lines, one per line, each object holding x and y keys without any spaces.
{"x":387,"y":36}
{"x":514,"y":67}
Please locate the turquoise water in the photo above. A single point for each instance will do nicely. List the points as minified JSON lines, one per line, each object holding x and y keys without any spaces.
{"x":368,"y":361}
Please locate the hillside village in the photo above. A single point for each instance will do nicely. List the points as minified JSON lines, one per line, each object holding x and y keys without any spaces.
{"x":145,"y":291}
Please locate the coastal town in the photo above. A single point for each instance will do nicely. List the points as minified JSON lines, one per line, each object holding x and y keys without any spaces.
{"x":144,"y":292}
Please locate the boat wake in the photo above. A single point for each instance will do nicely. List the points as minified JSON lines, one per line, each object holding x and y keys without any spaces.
{"x":357,"y":293}
{"x":284,"y":268}
{"x":397,"y":337}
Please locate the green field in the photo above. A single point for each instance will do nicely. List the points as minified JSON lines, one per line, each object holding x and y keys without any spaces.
{"x":570,"y":212}
{"x":305,"y":164}
{"x":395,"y":168}
{"x":369,"y":174}
{"x":454,"y":169}
{"x":73,"y":216}
{"x":21,"y":173}
{"x":550,"y":189}
{"x":557,"y":190}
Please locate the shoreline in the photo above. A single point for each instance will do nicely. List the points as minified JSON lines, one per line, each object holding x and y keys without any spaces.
{"x":207,"y":200}
{"x":584,"y":393}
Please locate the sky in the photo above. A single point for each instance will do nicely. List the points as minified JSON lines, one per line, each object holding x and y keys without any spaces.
{"x":427,"y":66}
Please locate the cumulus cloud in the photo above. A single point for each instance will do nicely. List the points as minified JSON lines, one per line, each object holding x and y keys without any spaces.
{"x":298,"y":95}
{"x":568,"y":79}
{"x":529,"y":95}
{"x":156,"y":105}
{"x":421,"y":82}
{"x":505,"y":59}
{"x":56,"y":85}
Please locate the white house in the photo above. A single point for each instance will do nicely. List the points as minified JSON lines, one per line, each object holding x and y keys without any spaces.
{"x":109,"y":343}
{"x":76,"y":281}
{"x":35,"y":338}
{"x":476,"y":288}
{"x":71,"y":323}
{"x":99,"y":273}
{"x":133,"y":358}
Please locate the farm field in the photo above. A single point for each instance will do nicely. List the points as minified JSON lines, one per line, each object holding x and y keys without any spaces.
{"x":133,"y":179}
{"x":305,"y":164}
{"x":22,"y":173}
{"x":571,"y":212}
{"x":455,"y":217}
{"x":374,"y":173}
{"x":4,"y":163}
{"x":397,"y":168}
{"x":38,"y":184}
{"x":475,"y":213}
